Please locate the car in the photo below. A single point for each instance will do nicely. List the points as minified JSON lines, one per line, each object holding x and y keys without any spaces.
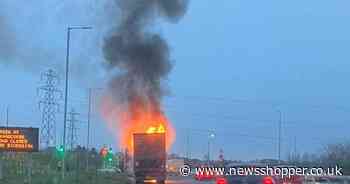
{"x":256,"y":179}
{"x":221,"y":180}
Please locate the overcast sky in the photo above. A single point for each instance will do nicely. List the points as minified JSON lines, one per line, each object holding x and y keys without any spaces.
{"x":236,"y":64}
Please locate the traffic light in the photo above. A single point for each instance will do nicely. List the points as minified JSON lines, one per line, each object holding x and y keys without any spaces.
{"x":109,"y":155}
{"x":60,"y":152}
{"x":104,"y":152}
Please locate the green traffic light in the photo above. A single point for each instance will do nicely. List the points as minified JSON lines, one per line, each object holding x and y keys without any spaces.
{"x":61,"y":149}
{"x":60,"y":152}
{"x":109,"y":155}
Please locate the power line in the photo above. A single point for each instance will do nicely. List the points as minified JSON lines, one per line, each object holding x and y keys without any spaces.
{"x":48,"y":104}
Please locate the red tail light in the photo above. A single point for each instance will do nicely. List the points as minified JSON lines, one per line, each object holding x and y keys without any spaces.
{"x":221,"y":181}
{"x":268,"y":180}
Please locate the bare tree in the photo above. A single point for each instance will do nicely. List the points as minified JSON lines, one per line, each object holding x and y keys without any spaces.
{"x":337,"y":154}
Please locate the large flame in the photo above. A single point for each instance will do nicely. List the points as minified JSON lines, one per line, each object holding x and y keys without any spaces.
{"x":154,"y":130}
{"x":136,"y":118}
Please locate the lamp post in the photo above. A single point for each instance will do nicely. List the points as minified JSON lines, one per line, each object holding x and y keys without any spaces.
{"x":279,"y":135}
{"x":211,"y":136}
{"x":88,"y":125}
{"x":69,"y":29}
{"x":7,"y":116}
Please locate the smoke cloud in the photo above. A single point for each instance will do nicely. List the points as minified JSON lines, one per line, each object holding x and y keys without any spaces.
{"x":140,"y":61}
{"x":141,"y":57}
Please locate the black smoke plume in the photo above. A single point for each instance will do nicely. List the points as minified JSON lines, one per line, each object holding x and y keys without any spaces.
{"x":140,"y":56}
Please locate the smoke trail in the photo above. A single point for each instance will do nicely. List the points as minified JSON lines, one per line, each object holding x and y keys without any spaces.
{"x":141,"y":56}
{"x":140,"y":60}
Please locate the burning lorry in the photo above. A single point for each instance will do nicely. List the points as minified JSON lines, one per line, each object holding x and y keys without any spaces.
{"x":149,"y":157}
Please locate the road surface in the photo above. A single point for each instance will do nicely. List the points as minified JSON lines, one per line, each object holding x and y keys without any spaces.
{"x":185,"y":180}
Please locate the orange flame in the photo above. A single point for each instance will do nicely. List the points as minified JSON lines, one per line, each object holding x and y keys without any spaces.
{"x":154,"y":130}
{"x":138,"y":118}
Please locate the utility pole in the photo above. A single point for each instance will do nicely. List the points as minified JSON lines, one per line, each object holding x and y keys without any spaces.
{"x":65,"y":102}
{"x":279,"y":135}
{"x":88,"y":130}
{"x":295,"y":148}
{"x":89,"y":122}
{"x":49,"y":105}
{"x":211,"y":136}
{"x":208,"y":154}
{"x":69,"y":29}
{"x":7,"y":116}
{"x":188,"y":145}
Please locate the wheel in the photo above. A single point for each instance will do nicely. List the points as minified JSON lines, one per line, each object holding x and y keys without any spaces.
{"x":161,"y":182}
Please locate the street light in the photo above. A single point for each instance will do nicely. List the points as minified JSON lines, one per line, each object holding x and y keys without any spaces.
{"x":79,"y":27}
{"x":211,"y":135}
{"x":279,"y":135}
{"x":88,"y":128}
{"x":69,"y":29}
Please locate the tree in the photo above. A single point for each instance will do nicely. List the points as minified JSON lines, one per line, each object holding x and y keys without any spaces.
{"x":337,"y":154}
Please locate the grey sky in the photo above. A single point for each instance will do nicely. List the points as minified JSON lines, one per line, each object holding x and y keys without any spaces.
{"x":236,"y":63}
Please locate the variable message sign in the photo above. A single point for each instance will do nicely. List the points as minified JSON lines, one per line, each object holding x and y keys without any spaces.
{"x":18,"y":139}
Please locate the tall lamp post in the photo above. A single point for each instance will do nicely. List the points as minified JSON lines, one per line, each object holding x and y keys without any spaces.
{"x":88,"y":124}
{"x":279,"y":135}
{"x":7,"y":116}
{"x":69,"y":29}
{"x":211,"y":135}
